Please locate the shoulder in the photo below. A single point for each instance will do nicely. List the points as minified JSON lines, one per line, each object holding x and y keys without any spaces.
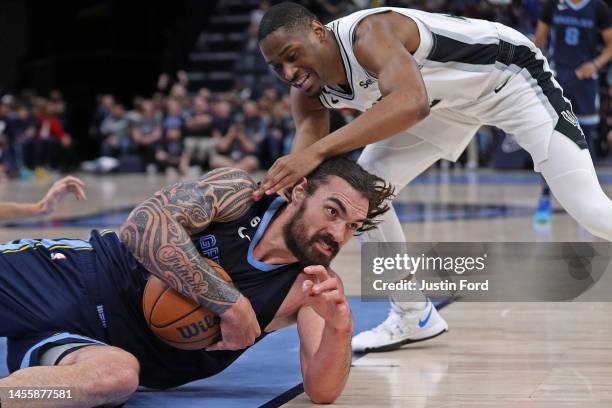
{"x":225,"y":194}
{"x":232,"y":192}
{"x":229,"y":176}
{"x":381,"y":31}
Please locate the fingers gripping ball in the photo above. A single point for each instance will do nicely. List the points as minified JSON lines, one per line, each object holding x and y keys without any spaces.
{"x":179,"y":321}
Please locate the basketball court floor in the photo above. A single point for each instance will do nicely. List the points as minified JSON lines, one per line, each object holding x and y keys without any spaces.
{"x":539,"y":355}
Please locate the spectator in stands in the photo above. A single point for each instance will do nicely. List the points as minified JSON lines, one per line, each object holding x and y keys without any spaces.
{"x":114,"y":130}
{"x":5,"y":111}
{"x":179,"y":93}
{"x":200,"y":120}
{"x":205,"y":93}
{"x":20,"y":132}
{"x":222,"y":119}
{"x":103,"y":110}
{"x":235,"y":149}
{"x":5,"y":116}
{"x":278,"y":129}
{"x":51,"y":140}
{"x":147,"y":132}
{"x":174,"y":115}
{"x":253,"y":123}
{"x":134,"y":115}
{"x":59,"y":107}
{"x":199,"y":143}
{"x":257,"y":15}
{"x":171,"y":152}
{"x":159,"y":103}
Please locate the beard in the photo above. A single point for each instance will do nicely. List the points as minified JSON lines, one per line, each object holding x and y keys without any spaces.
{"x":302,"y":247}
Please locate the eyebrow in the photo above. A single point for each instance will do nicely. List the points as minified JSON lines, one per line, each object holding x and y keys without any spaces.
{"x":280,"y":54}
{"x":343,"y":208}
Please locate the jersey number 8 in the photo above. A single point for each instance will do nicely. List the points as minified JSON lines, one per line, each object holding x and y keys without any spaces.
{"x":572,"y":36}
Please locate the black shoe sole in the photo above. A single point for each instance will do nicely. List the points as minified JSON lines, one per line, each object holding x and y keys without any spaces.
{"x":395,"y":346}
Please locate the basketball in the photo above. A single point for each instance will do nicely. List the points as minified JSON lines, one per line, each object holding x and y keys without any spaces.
{"x":177,"y":320}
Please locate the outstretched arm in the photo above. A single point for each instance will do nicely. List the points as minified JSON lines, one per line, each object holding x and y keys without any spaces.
{"x":158,"y":233}
{"x":47,"y":205}
{"x":324,"y":326}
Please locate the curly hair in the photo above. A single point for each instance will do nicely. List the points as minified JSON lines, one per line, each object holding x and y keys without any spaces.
{"x":378,"y":192}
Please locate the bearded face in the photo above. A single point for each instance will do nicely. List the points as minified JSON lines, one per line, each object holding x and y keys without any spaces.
{"x":319,"y":248}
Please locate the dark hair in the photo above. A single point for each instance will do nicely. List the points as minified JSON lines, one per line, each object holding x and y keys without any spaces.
{"x":375,"y":189}
{"x":284,"y":15}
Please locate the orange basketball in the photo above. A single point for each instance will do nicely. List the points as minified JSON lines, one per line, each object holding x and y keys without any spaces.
{"x":179,"y":321}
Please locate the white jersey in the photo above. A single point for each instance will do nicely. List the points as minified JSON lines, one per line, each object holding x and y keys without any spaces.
{"x":475,"y":72}
{"x":457,"y":58}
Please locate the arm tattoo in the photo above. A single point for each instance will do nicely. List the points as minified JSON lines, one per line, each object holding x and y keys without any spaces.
{"x":158,"y":233}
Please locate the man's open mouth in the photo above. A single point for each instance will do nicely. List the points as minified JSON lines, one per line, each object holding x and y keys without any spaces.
{"x":303,"y":81}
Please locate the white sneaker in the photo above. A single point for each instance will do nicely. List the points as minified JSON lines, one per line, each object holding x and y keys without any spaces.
{"x":401,"y":327}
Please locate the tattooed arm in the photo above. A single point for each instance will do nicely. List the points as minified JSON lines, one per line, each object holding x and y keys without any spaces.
{"x":158,"y":233}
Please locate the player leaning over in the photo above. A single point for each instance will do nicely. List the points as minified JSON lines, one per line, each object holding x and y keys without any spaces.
{"x":425,"y":82}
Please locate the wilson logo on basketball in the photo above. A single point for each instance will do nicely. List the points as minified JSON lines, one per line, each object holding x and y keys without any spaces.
{"x":194,"y":329}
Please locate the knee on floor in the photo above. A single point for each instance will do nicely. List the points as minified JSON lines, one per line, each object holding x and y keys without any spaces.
{"x":115,"y":380}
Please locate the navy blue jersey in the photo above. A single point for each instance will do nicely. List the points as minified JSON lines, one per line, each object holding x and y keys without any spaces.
{"x":95,"y":293}
{"x":575,"y":30}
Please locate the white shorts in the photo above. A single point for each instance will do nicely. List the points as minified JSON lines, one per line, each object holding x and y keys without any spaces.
{"x":524,"y":101}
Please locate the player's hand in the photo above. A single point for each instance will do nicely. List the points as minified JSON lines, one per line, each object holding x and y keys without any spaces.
{"x":287,"y":171}
{"x":586,"y":71}
{"x":239,"y":327}
{"x":325,"y":295}
{"x":58,"y":190}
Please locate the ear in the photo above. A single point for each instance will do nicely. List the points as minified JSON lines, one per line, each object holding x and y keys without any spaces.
{"x":318,"y":29}
{"x":299,"y":191}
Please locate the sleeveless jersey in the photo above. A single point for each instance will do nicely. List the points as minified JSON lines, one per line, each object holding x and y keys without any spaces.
{"x":457,"y":58}
{"x":574,"y":30}
{"x":121,"y":280}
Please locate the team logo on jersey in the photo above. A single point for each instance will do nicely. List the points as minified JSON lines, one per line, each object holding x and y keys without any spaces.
{"x":334,"y":100}
{"x":434,"y":102}
{"x":209,"y":247}
{"x":56,"y":256}
{"x":253,"y":223}
{"x":366,"y":83}
{"x":241,"y":233}
{"x":571,"y":118}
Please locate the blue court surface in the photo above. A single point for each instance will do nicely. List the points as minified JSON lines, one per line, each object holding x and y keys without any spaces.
{"x":267,"y":376}
{"x":407,"y":212}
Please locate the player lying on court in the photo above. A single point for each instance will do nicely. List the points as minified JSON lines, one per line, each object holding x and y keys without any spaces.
{"x":425,"y":83}
{"x":72,"y":309}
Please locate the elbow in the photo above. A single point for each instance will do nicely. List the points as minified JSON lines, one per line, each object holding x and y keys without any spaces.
{"x":322,"y":397}
{"x":415,"y":107}
{"x":422,"y":109}
{"x":423,"y":112}
{"x":323,"y":393}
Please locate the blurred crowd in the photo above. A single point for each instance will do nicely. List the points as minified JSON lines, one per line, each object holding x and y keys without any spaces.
{"x":177,"y":128}
{"x":34,"y":135}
